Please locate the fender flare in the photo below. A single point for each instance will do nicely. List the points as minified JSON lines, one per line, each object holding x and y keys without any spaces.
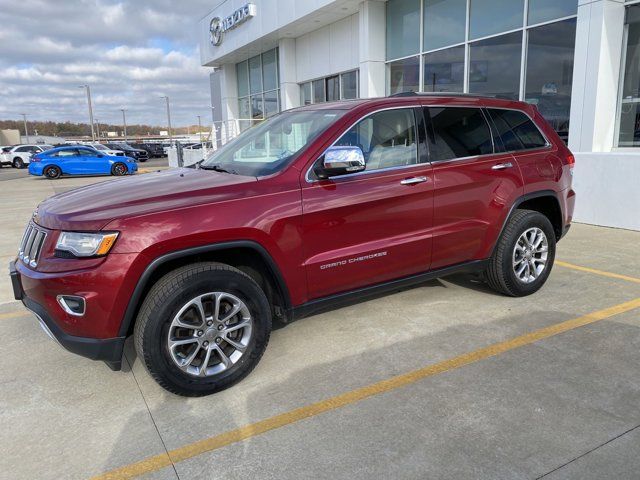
{"x":140,"y":287}
{"x":519,"y":201}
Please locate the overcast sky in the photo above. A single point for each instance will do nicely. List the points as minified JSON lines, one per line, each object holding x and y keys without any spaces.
{"x":131,"y":52}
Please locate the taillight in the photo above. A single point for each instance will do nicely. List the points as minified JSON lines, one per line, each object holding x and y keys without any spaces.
{"x":571,"y":160}
{"x":36,"y":158}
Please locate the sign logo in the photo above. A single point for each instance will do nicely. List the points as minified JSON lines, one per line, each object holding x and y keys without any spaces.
{"x":219,"y":26}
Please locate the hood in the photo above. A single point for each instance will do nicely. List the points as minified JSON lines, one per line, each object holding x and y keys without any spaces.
{"x":94,"y":206}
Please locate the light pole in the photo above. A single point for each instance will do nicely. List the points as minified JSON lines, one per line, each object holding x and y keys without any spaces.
{"x":124,"y":122}
{"x":26,"y":130}
{"x":199,"y":128}
{"x":88,"y":89}
{"x":98,"y":128}
{"x":168,"y":118}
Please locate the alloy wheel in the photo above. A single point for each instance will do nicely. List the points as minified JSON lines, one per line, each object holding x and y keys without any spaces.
{"x":209,"y":334}
{"x":530,"y":255}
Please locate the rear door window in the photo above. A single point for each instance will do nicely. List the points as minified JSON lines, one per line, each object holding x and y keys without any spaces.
{"x":516,"y":130}
{"x":458,"y":132}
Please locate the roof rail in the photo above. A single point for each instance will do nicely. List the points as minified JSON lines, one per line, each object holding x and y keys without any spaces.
{"x":442,"y":94}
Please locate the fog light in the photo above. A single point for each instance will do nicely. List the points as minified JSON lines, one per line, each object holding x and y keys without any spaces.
{"x":72,"y":304}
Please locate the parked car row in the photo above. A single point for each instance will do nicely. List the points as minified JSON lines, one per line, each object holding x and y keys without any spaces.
{"x":19,"y":156}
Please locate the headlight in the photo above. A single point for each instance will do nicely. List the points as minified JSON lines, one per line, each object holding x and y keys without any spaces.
{"x":86,"y":244}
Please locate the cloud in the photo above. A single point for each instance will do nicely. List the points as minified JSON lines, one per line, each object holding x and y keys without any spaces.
{"x":131,"y":52}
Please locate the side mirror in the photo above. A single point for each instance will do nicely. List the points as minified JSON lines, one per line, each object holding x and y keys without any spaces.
{"x":100,"y":155}
{"x":340,"y":161}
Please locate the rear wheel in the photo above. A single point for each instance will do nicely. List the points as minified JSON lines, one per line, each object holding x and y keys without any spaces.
{"x":52,"y":172}
{"x":202,"y":328}
{"x":119,"y":169}
{"x":524,"y":255}
{"x":18,"y":163}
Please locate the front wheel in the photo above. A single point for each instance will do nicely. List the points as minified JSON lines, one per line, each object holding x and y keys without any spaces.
{"x":119,"y":169}
{"x":18,"y":163}
{"x":524,"y":255}
{"x":202,"y":328}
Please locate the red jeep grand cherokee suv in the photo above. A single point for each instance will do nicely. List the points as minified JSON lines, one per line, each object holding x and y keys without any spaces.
{"x":308,"y":209}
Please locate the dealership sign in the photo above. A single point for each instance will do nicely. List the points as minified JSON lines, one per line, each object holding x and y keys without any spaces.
{"x":219,"y":26}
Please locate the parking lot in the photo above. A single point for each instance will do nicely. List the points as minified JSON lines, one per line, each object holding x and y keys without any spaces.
{"x":444,"y":380}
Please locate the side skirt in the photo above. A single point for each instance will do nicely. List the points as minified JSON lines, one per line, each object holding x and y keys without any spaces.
{"x":355,"y":296}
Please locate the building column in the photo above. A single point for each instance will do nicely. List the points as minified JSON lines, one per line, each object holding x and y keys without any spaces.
{"x":372,"y":48}
{"x":289,"y":88}
{"x":229,"y":91}
{"x":596,"y":75}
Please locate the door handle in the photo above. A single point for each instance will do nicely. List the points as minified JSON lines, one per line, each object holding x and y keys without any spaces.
{"x":502,"y":166}
{"x":413,"y":180}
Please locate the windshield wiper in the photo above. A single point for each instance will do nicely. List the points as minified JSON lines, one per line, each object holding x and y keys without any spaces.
{"x":218,"y":168}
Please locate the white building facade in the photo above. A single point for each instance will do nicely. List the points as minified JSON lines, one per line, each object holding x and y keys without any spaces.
{"x":577,"y":60}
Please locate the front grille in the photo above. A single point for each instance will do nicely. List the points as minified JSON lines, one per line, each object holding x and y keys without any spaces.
{"x":31,"y":245}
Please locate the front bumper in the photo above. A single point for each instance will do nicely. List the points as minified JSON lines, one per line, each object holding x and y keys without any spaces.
{"x":109,"y":350}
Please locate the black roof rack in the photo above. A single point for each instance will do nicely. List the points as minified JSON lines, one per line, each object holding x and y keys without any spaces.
{"x":442,"y":94}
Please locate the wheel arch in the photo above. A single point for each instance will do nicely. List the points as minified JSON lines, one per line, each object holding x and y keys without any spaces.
{"x":544,"y":201}
{"x":246,"y":255}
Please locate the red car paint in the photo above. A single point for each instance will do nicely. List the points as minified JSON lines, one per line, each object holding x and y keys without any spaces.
{"x":380,"y":229}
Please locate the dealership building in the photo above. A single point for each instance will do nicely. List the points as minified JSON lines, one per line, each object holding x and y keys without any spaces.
{"x":578,"y":61}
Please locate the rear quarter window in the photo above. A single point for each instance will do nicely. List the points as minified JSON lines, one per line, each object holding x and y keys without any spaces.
{"x":516,"y":130}
{"x":458,"y":132}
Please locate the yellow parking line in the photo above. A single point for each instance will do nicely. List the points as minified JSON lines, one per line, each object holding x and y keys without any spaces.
{"x":158,"y":462}
{"x":13,"y":314}
{"x":597,"y":272}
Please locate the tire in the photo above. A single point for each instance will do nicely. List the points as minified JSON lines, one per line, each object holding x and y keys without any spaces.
{"x":52,"y":172}
{"x":510,"y":269}
{"x":119,"y":169}
{"x":18,"y":163}
{"x":170,"y":300}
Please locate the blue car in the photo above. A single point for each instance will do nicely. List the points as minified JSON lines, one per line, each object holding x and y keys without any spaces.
{"x":79,"y":160}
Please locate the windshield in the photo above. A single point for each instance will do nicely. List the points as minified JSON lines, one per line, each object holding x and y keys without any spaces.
{"x":99,"y":147}
{"x":270,"y":146}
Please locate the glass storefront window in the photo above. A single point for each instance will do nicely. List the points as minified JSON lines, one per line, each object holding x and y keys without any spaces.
{"x":403,"y":28}
{"x":629,"y":122}
{"x":329,"y":89}
{"x":476,"y":46}
{"x":257,"y":107}
{"x":255,"y":74}
{"x":318,"y":91}
{"x":270,"y":70}
{"x":545,"y":10}
{"x":494,"y":66}
{"x":349,"y":82}
{"x":550,"y":72}
{"x":444,"y":23}
{"x":404,"y":75}
{"x":444,"y":70}
{"x":305,"y":93}
{"x":270,"y":103}
{"x":244,"y":108}
{"x":488,"y":17}
{"x":333,"y":88}
{"x":242,"y":78}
